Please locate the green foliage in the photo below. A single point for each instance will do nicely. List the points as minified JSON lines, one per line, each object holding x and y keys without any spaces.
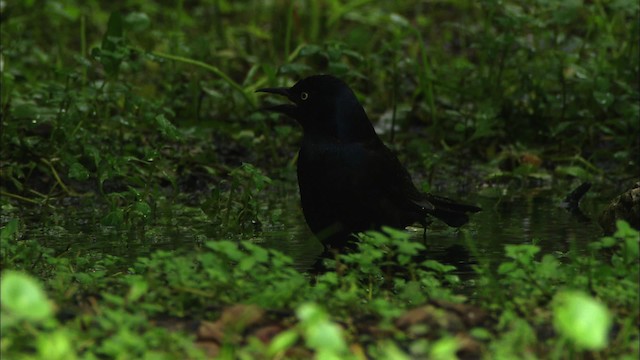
{"x":381,"y":269}
{"x":581,"y":319}
{"x":145,"y":113}
{"x":28,"y":315}
{"x":110,"y":96}
{"x":376,"y":284}
{"x":23,"y":299}
{"x":320,"y":333}
{"x":444,"y":349}
{"x":525,"y":283}
{"x":226,"y":272}
{"x":241,"y":207}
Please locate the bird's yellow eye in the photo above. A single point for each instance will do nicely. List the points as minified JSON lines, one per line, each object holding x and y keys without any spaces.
{"x":304,"y":95}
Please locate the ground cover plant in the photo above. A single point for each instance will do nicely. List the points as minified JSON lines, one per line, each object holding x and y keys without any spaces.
{"x":140,"y":123}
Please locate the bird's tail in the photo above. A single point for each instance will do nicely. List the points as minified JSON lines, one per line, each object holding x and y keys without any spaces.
{"x":452,"y":213}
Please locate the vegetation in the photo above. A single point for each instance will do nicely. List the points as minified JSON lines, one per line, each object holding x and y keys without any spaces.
{"x":142,"y":121}
{"x":530,"y":305}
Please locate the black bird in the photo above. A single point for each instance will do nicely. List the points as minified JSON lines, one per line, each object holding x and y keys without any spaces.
{"x":349,"y":180}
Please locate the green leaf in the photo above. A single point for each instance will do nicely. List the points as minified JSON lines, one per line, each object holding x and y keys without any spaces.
{"x":548,"y":267}
{"x":575,"y":171}
{"x":319,"y":332}
{"x":581,"y":319}
{"x":247,"y":264}
{"x":227,"y":248}
{"x":308,"y":50}
{"x":9,"y":230}
{"x":138,"y":288}
{"x":282,"y":342}
{"x":24,"y":297}
{"x":167,"y":128}
{"x":481,"y":333}
{"x":57,"y":345}
{"x":631,"y":238}
{"x":84,"y":278}
{"x":623,"y":229}
{"x":114,"y":218}
{"x":111,"y":52}
{"x":524,"y":253}
{"x":295,"y":69}
{"x":137,"y":21}
{"x":94,"y":153}
{"x":603,"y":98}
{"x":141,"y":208}
{"x":444,"y":349}
{"x":259,"y":253}
{"x":78,"y":172}
{"x":325,"y":335}
{"x":560,"y":127}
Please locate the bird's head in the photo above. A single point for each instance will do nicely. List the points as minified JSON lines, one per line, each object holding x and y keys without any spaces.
{"x":325,"y":107}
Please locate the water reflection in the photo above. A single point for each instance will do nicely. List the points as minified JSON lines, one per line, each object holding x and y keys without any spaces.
{"x":533,"y":218}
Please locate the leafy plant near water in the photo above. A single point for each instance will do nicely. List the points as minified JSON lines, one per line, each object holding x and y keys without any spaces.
{"x":524,"y":283}
{"x":146,"y":114}
{"x":106,"y":102}
{"x":576,"y":299}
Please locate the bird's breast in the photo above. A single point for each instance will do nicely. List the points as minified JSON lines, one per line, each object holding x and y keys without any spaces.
{"x":329,"y":165}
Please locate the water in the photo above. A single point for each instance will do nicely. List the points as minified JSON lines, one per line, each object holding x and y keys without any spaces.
{"x":529,"y":217}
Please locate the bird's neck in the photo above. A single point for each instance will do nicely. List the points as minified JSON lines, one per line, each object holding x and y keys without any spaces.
{"x":352,"y":123}
{"x":344,"y":122}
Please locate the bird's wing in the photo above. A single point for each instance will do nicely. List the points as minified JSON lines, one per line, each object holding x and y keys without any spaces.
{"x":394,"y":180}
{"x":398,"y":186}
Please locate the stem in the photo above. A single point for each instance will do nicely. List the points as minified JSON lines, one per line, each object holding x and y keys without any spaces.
{"x":58,"y":179}
{"x":83,"y":46}
{"x":211,"y":68}
{"x":426,"y":79}
{"x":19,"y":197}
{"x":289,"y":30}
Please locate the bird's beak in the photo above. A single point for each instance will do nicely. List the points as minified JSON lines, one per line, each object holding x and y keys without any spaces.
{"x":287,"y":109}
{"x":279,"y":91}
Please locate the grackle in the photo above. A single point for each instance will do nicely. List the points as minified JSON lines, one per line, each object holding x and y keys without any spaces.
{"x":349,"y":180}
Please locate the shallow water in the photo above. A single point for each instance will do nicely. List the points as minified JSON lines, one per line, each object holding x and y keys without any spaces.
{"x":529,"y":217}
{"x":526,"y":218}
